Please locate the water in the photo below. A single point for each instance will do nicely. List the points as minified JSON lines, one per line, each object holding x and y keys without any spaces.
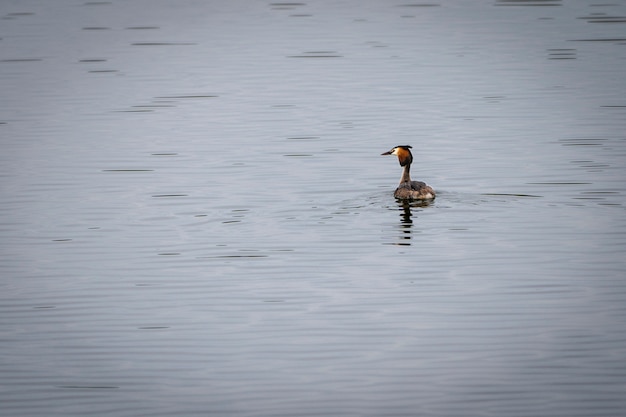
{"x":196,"y":219}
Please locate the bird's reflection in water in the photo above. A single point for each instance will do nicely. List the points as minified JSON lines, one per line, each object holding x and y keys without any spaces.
{"x":406,"y":214}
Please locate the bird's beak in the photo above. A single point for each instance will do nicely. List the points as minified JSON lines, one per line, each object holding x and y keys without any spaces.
{"x":387,"y":153}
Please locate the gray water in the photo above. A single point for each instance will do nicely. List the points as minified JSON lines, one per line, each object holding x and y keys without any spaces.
{"x":196,"y":219}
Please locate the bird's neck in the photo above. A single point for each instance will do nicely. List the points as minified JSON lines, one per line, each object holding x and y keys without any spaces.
{"x":406,"y":177}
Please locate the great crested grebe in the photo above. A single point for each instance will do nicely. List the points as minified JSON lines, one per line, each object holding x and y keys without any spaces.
{"x":407,"y":189}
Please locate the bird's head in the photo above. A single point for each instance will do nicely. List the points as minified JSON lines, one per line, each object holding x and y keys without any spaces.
{"x":403,"y":153}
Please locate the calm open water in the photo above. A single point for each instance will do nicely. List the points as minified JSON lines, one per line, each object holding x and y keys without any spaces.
{"x":196,"y":219}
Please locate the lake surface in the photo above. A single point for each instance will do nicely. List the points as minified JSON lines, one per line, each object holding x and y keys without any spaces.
{"x":196,"y":219}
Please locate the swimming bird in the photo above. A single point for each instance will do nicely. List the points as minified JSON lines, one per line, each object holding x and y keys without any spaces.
{"x":407,"y":189}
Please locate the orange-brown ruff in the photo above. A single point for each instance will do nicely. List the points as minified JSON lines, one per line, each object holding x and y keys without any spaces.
{"x":407,"y":189}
